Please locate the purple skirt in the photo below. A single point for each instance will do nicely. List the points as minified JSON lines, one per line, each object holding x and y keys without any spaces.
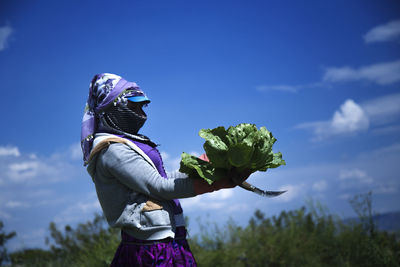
{"x":166,"y":252}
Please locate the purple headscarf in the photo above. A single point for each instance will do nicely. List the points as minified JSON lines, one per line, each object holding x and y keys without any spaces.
{"x":105,"y":89}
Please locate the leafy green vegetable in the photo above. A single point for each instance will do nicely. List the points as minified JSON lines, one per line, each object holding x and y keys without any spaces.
{"x":241,"y":147}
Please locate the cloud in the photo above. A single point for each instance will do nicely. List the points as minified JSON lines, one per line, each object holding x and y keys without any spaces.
{"x":31,"y":169}
{"x":382,"y":73}
{"x":16,"y":204}
{"x":215,"y":200}
{"x":170,"y":163}
{"x":221,"y":195}
{"x":379,"y":114}
{"x":283,"y":88}
{"x":4,"y":215}
{"x":38,"y":171}
{"x":382,"y":152}
{"x":354,"y":177}
{"x":387,"y":130}
{"x":83,"y":208}
{"x":386,"y":189}
{"x":293,"y":191}
{"x":288,"y":88}
{"x":21,"y":172}
{"x":5,"y":33}
{"x":383,"y":33}
{"x":9,"y":151}
{"x":76,"y":151}
{"x":349,"y":119}
{"x":173,"y":163}
{"x":384,"y":109}
{"x":320,"y":186}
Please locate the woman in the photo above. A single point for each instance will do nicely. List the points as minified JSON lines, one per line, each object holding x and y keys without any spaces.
{"x":135,"y":192}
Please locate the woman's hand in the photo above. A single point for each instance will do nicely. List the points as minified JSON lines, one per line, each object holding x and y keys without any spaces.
{"x":239,"y":177}
{"x":233,"y":179}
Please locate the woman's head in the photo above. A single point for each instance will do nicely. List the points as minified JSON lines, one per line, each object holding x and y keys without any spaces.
{"x":115,"y":106}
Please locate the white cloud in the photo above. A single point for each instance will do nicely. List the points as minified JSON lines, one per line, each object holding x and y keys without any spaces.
{"x":242,"y":207}
{"x":173,"y":163}
{"x":32,"y":169}
{"x":214,"y":200}
{"x":288,"y":88}
{"x":349,"y":119}
{"x":4,"y":215}
{"x":386,"y":189}
{"x":383,"y":33}
{"x":76,"y":151}
{"x":387,"y":130}
{"x":5,"y":33}
{"x":352,"y":118}
{"x":36,"y":172}
{"x":21,"y":172}
{"x":191,"y":203}
{"x":16,"y":204}
{"x":381,"y":73}
{"x":282,"y":87}
{"x":345,"y":196}
{"x":221,"y":194}
{"x":320,"y":186}
{"x":354,"y":177}
{"x":384,"y":109}
{"x":352,"y":174}
{"x":9,"y":151}
{"x":170,"y":163}
{"x":76,"y":212}
{"x":382,"y":152}
{"x":34,"y":238}
{"x":293,"y":191}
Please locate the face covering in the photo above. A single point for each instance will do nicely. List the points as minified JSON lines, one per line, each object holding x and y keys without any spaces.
{"x":122,"y":120}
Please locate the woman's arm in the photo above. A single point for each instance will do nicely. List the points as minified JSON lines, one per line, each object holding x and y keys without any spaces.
{"x":176,"y":174}
{"x":120,"y":162}
{"x":131,"y":169}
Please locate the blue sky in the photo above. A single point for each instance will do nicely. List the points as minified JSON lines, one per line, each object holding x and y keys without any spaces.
{"x":323,"y":77}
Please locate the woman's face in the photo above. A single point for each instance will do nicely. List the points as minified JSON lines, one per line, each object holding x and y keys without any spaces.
{"x":137,"y":107}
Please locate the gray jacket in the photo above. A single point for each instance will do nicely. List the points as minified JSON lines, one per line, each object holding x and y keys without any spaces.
{"x":132,"y":194}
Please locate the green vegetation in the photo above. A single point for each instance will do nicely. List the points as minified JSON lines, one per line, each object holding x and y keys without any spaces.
{"x":304,"y":237}
{"x":4,"y":237}
{"x":90,"y":244}
{"x":297,"y":238}
{"x":243,"y":147}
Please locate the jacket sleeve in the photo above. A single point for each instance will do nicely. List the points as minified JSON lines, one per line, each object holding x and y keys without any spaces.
{"x":176,"y":174}
{"x":131,"y":169}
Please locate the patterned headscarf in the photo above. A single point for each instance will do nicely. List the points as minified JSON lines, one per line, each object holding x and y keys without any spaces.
{"x":105,"y":89}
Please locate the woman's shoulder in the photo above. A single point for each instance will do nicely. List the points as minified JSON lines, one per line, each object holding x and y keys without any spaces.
{"x":107,"y":143}
{"x":118,"y":152}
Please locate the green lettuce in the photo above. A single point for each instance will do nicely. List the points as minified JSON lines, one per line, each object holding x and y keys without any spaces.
{"x":241,"y":147}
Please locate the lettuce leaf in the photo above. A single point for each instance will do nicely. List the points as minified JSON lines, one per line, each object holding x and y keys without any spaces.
{"x":241,"y":147}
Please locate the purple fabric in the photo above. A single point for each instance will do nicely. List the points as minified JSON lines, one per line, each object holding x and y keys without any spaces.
{"x":104,"y":89}
{"x":112,"y":95}
{"x":169,"y":252}
{"x":155,"y":156}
